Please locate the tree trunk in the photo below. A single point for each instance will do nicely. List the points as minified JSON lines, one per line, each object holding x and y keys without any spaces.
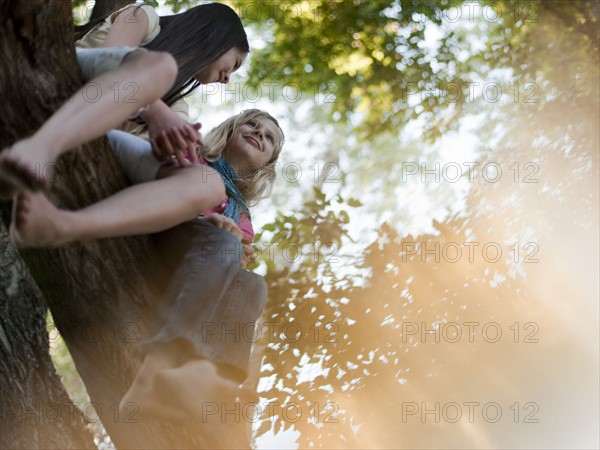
{"x":35,"y":410}
{"x":97,"y":292}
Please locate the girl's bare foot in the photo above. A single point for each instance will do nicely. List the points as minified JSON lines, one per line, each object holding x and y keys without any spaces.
{"x":140,"y":395}
{"x":36,"y":221}
{"x":24,"y":166}
{"x":188,"y":392}
{"x":200,"y":394}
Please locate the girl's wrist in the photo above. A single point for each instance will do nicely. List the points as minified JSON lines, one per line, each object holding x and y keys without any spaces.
{"x":150,"y":112}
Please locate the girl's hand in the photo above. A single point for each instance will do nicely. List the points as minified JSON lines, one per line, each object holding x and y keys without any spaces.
{"x":248,"y":255}
{"x":179,"y":144}
{"x":225,"y":223}
{"x":171,"y":136}
{"x":228,"y":224}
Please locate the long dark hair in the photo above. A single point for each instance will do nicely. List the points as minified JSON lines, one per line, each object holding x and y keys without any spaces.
{"x":196,"y":38}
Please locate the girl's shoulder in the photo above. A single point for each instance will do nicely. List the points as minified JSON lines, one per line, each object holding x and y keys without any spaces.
{"x":97,"y":35}
{"x":127,"y":13}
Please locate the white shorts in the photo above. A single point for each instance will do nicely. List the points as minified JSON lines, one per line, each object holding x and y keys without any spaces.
{"x":96,"y":61}
{"x":134,"y":155}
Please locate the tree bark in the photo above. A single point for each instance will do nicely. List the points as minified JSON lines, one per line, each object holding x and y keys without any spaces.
{"x":97,"y":292}
{"x":35,"y":410}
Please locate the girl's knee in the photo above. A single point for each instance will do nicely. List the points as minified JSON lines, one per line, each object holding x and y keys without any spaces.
{"x":212,"y":184}
{"x":255,"y":288}
{"x":260,"y":291}
{"x":161,"y":65}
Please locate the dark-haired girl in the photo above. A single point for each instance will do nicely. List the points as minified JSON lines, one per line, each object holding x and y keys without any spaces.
{"x":138,"y":65}
{"x":196,"y":39}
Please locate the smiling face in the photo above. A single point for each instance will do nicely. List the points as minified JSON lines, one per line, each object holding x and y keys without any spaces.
{"x":221,"y":69}
{"x":252,"y":144}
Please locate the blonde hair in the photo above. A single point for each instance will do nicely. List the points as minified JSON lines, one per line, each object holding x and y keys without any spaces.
{"x":259,"y":184}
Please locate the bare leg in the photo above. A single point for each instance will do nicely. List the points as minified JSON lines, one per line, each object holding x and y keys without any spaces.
{"x":180,"y":195}
{"x":79,"y":120}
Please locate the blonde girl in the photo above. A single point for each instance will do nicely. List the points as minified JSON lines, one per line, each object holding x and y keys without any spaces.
{"x":188,"y":362}
{"x":236,"y":168}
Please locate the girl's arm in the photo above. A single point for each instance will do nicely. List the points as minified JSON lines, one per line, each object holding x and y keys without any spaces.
{"x":129,"y":28}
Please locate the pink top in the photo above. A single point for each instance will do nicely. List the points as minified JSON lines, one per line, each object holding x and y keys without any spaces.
{"x":243,"y":223}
